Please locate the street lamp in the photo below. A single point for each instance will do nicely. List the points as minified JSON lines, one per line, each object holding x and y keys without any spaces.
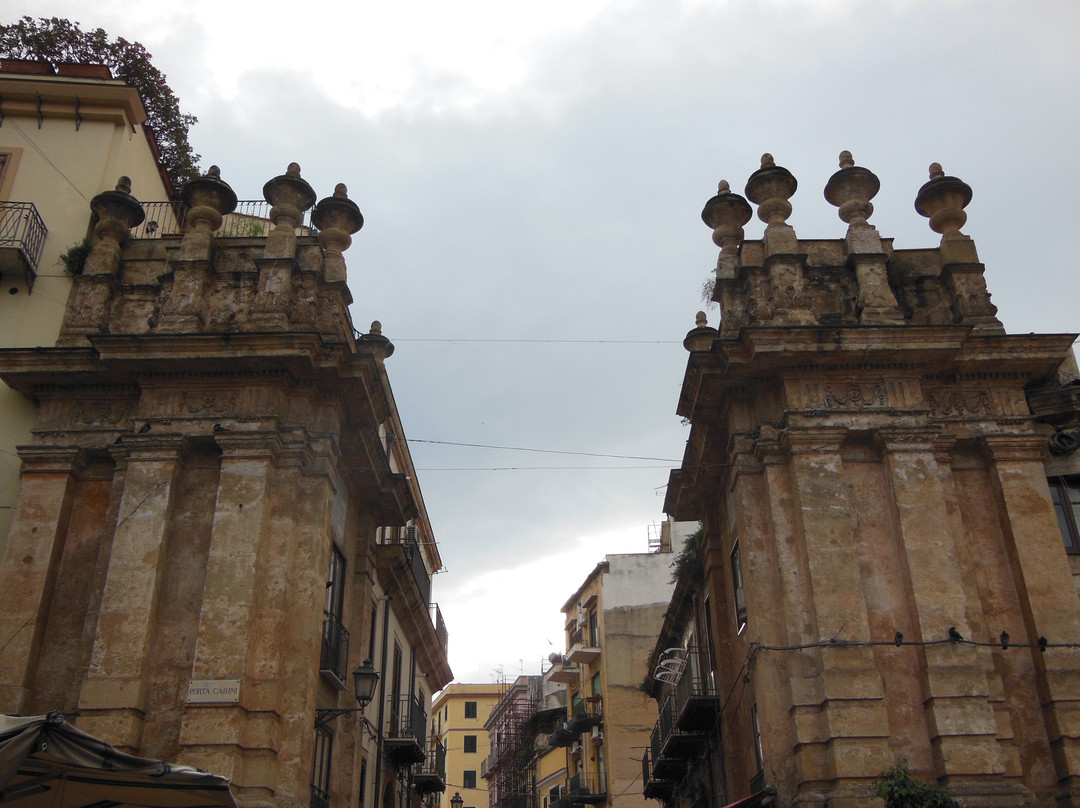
{"x":365,"y":678}
{"x":457,"y":800}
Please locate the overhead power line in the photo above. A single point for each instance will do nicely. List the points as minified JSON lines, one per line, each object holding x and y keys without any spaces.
{"x":559,"y":341}
{"x":544,"y":451}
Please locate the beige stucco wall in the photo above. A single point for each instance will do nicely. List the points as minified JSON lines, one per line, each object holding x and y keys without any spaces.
{"x":59,"y":169}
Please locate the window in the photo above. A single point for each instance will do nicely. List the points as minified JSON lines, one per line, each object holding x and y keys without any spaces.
{"x":320,"y":769}
{"x":594,"y":629}
{"x":596,"y":684}
{"x":737,"y":587}
{"x":470,"y":709}
{"x":469,"y":779}
{"x":1065,"y":492}
{"x":470,"y":744}
{"x":335,"y":638}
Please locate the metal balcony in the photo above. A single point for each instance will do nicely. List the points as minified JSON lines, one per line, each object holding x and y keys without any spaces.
{"x":587,"y":714}
{"x":334,"y":658}
{"x":22,"y":238}
{"x":696,"y":694}
{"x":319,"y":798}
{"x":405,"y":731}
{"x":430,"y":777}
{"x":654,"y":787}
{"x":586,"y":790}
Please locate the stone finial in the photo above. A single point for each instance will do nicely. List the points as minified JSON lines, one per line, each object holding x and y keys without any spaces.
{"x":701,"y":337}
{"x":117,"y":212}
{"x":943,"y":200}
{"x":290,"y":195}
{"x":374,"y":340}
{"x":208,"y":199}
{"x":726,"y":213}
{"x":289,"y":189}
{"x":337,"y":217}
{"x":851,"y":189}
{"x":770,"y":188}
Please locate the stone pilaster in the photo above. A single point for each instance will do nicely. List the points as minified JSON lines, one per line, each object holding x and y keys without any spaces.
{"x":852,"y":708}
{"x":960,"y":717}
{"x":1048,"y":597}
{"x":30,"y":564}
{"x":113,"y":698}
{"x":796,"y":748}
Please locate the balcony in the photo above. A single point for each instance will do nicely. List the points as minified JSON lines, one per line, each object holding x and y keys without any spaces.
{"x":563,"y":736}
{"x":587,"y":714}
{"x":664,"y":766}
{"x":319,"y":798}
{"x":586,"y":790}
{"x":676,"y":743}
{"x":440,"y":625}
{"x":566,"y":672}
{"x":584,"y":645}
{"x":334,"y":658}
{"x":405,"y":731}
{"x":251,"y":219}
{"x":22,"y":238}
{"x":696,"y":695}
{"x":411,"y":556}
{"x":655,"y":788}
{"x":431,"y":776}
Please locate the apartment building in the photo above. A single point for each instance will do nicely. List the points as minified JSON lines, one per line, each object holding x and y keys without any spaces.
{"x":457,"y":721}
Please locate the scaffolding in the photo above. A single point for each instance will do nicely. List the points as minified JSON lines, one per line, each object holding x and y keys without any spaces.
{"x":512,"y":730}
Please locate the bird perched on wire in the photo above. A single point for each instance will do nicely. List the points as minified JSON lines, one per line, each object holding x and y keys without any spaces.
{"x":955,"y":635}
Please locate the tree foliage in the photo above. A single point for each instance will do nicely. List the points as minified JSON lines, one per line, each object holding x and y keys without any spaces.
{"x":896,"y":786}
{"x":56,"y":40}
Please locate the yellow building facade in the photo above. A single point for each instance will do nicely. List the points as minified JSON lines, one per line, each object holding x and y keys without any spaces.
{"x":458,"y":715}
{"x":64,"y":139}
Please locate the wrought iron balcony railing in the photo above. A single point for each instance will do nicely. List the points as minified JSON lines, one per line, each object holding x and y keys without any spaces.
{"x":440,"y":625}
{"x":335,"y":647}
{"x":319,"y":798}
{"x":251,"y":219}
{"x":22,"y":238}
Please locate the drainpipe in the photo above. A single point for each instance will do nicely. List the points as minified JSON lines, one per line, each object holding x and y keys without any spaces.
{"x":382,"y":703}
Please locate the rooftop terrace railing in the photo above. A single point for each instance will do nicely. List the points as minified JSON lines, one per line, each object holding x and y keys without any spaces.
{"x":251,"y":219}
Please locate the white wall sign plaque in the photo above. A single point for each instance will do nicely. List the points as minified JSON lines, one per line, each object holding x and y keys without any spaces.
{"x":209,"y":691}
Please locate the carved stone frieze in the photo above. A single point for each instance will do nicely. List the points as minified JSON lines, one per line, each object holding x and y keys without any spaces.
{"x":102,"y":412}
{"x":855,"y":395}
{"x":953,"y":403}
{"x":210,"y":401}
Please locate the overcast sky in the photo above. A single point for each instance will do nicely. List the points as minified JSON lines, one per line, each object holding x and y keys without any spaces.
{"x":532,"y":176}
